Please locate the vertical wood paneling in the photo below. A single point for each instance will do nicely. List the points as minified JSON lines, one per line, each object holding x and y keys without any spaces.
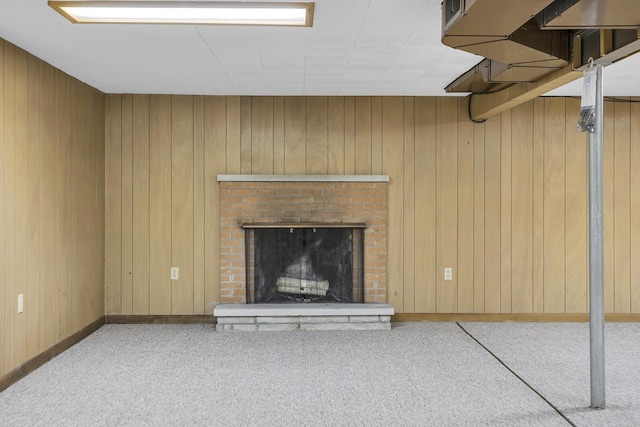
{"x":46,"y":272}
{"x":447,"y":204}
{"x":608,"y":208}
{"x":465,"y":209}
{"x":492,"y":241}
{"x":10,"y":294}
{"x":113,"y":204}
{"x":65,"y":206}
{"x":409,"y":212}
{"x":89,"y":296}
{"x":141,"y":212}
{"x":74,"y":261}
{"x":159,"y":204}
{"x":635,"y":205}
{"x":576,"y":200}
{"x":621,"y":201}
{"x":100,"y":98}
{"x":233,"y":134}
{"x":96,"y":222}
{"x":182,"y":203}
{"x":54,"y":173}
{"x":246,"y":113}
{"x":83,"y":206}
{"x":34,"y":233}
{"x":363,"y":135}
{"x":335,"y":148}
{"x":50,"y":248}
{"x":522,"y":210}
{"x":90,"y":207}
{"x":294,"y":135}
{"x":317,"y":136}
{"x":78,"y":211}
{"x":127,"y":204}
{"x":278,"y":135}
{"x":3,"y":282}
{"x":554,"y":206}
{"x":262,"y":135}
{"x":215,"y":143}
{"x":425,"y":195}
{"x":392,"y":134}
{"x":199,"y":186}
{"x":376,"y":135}
{"x":21,"y":188}
{"x":538,"y":205}
{"x":349,"y":135}
{"x":505,"y":213}
{"x":478,"y":218}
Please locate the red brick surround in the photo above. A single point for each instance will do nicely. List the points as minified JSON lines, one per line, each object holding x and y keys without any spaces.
{"x":302,"y":202}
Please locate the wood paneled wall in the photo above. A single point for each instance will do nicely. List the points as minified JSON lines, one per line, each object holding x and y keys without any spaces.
{"x":51,"y":205}
{"x":503,"y":203}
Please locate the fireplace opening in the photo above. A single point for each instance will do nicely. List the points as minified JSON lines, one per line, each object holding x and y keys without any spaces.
{"x":304,"y":264}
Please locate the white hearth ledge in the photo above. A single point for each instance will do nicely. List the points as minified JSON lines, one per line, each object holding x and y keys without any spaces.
{"x":301,"y":309}
{"x":309,"y":317}
{"x":303,"y":178}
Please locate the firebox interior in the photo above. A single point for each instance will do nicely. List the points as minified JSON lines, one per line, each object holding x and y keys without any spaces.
{"x":304,"y":264}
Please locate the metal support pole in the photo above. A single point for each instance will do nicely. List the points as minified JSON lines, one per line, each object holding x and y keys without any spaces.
{"x":596,"y":253}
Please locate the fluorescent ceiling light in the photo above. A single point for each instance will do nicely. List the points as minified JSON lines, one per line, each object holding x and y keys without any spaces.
{"x":161,"y":12}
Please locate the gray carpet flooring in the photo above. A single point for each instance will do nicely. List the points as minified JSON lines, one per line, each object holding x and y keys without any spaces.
{"x":417,"y":374}
{"x":554,"y":359}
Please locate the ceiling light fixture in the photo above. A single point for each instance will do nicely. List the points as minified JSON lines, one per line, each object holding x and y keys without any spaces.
{"x":187,"y":12}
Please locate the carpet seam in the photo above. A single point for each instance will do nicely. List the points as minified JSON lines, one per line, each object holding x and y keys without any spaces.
{"x":555,"y":408}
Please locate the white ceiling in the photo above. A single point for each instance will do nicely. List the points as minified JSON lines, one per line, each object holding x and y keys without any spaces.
{"x":355,"y":47}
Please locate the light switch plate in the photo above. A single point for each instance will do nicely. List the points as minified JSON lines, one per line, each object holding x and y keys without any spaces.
{"x":175,"y":271}
{"x":448,"y":274}
{"x":20,"y":303}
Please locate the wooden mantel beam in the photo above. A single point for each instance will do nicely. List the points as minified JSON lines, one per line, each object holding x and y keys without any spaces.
{"x":484,"y":106}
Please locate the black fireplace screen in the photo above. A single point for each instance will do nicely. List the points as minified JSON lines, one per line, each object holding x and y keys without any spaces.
{"x":304,"y":264}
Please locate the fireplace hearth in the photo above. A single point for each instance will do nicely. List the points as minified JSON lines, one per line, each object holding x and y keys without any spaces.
{"x":304,"y":263}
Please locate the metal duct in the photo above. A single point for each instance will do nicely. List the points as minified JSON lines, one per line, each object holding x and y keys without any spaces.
{"x":527,"y":44}
{"x":523,"y":41}
{"x":505,"y":33}
{"x":476,"y":80}
{"x":490,"y":76}
{"x":580,"y":14}
{"x":606,"y":46}
{"x":487,"y":18}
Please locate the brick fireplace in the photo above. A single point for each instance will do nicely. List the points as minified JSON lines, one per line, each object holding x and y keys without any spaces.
{"x":304,"y":199}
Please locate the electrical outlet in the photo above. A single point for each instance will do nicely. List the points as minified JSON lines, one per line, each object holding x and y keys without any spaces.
{"x":448,"y":274}
{"x":175,"y":271}
{"x":20,"y":303}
